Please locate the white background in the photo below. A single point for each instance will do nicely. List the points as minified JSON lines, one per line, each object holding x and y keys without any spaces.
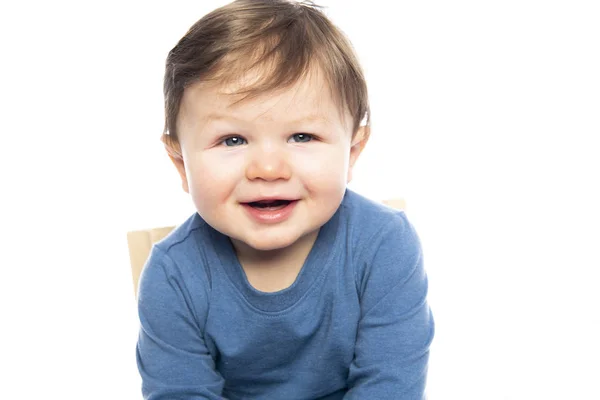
{"x":486,"y":117}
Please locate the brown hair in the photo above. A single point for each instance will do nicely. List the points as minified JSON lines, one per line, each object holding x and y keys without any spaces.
{"x":286,"y":38}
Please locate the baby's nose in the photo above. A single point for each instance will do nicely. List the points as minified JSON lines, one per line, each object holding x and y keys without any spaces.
{"x":269,"y":165}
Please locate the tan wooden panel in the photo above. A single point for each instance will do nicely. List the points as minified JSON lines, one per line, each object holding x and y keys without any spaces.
{"x":140,"y":243}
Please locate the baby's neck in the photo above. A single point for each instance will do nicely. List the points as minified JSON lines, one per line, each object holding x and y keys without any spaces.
{"x":271,"y":271}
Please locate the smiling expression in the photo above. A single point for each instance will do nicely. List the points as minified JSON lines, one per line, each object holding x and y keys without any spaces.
{"x":268,"y":171}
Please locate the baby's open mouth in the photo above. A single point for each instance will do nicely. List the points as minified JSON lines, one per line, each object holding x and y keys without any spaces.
{"x":269,"y":205}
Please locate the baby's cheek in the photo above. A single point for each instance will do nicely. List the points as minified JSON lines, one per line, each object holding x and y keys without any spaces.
{"x":209,"y":187}
{"x":330,"y":168}
{"x":326,"y":181}
{"x":324,"y":161}
{"x":210,"y":170}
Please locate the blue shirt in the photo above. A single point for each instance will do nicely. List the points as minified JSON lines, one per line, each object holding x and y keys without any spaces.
{"x":354,"y":325}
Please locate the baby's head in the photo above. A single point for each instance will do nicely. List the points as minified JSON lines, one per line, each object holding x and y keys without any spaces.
{"x":266,"y":112}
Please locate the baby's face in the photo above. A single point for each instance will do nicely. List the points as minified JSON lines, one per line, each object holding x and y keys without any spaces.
{"x":266,"y":171}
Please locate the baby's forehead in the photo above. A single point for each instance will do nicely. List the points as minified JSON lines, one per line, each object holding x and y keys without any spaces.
{"x":310,"y":97}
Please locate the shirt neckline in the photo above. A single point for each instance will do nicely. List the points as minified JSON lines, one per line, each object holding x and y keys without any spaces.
{"x":316,"y":263}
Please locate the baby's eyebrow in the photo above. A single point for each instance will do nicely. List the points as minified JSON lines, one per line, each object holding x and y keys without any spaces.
{"x":213,"y":116}
{"x":308,"y":118}
{"x":311,"y":118}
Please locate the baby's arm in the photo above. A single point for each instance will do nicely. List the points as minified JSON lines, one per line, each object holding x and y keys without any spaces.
{"x":396,"y":326}
{"x":172,"y":357}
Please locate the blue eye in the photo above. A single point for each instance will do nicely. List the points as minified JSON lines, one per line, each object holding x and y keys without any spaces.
{"x":302,"y":137}
{"x":234,"y":141}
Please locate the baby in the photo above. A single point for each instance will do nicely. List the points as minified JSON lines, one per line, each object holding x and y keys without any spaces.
{"x":285,"y":284}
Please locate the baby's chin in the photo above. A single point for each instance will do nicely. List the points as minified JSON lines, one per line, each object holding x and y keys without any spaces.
{"x":270,"y":245}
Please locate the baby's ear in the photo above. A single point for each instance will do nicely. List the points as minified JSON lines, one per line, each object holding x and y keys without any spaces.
{"x":174,"y":150}
{"x":359,"y":141}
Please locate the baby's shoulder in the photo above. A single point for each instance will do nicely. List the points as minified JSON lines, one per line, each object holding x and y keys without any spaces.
{"x":183,"y":251}
{"x":175,"y":275}
{"x":367,"y":219}
{"x":183,"y":235}
{"x":374,"y":231}
{"x":383,"y":244}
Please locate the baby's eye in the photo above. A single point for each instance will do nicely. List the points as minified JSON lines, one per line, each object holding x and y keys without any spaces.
{"x":233,"y":141}
{"x":301,"y":137}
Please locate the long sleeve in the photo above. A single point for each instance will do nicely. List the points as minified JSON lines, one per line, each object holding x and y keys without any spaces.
{"x":396,"y":325}
{"x":172,"y":357}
